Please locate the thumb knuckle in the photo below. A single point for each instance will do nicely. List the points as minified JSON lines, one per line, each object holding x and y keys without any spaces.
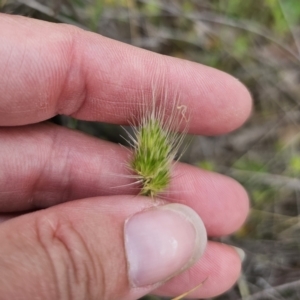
{"x":75,"y":268}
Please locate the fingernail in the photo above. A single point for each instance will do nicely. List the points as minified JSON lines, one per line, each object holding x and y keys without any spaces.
{"x":241,"y":253}
{"x":162,"y":242}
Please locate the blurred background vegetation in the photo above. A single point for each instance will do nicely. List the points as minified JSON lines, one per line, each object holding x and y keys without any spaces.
{"x":257,"y":42}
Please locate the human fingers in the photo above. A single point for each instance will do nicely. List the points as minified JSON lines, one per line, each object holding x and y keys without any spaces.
{"x":111,"y":248}
{"x":43,"y":165}
{"x":51,"y":69}
{"x":219,"y":261}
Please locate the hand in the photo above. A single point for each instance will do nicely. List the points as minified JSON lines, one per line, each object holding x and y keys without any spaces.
{"x":109,"y":244}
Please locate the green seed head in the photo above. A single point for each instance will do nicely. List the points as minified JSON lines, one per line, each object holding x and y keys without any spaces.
{"x":155,"y":146}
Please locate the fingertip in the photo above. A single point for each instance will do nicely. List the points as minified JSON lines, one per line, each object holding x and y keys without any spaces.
{"x":225,"y":268}
{"x":242,"y":203}
{"x":234,"y":207}
{"x":228,"y":103}
{"x":162,"y":242}
{"x":218,"y":269}
{"x":221,"y":201}
{"x":239,"y":107}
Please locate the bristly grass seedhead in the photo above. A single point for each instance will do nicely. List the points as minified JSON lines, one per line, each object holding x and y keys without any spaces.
{"x":156,"y":142}
{"x":152,"y":157}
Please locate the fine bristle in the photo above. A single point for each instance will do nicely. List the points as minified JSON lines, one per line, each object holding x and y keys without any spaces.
{"x":155,"y":145}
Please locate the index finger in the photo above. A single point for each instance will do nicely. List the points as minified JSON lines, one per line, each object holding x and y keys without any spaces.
{"x":51,"y":69}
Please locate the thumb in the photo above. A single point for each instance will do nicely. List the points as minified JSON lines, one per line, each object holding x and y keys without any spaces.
{"x":101,"y":248}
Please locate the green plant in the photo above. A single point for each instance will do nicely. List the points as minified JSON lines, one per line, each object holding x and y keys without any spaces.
{"x":155,"y":144}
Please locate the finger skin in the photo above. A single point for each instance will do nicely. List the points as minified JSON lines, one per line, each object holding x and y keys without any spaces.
{"x":51,"y":69}
{"x":45,"y":164}
{"x":57,"y":253}
{"x":76,"y":251}
{"x":218,"y":262}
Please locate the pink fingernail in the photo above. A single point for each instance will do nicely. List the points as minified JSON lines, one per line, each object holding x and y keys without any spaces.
{"x":162,"y":242}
